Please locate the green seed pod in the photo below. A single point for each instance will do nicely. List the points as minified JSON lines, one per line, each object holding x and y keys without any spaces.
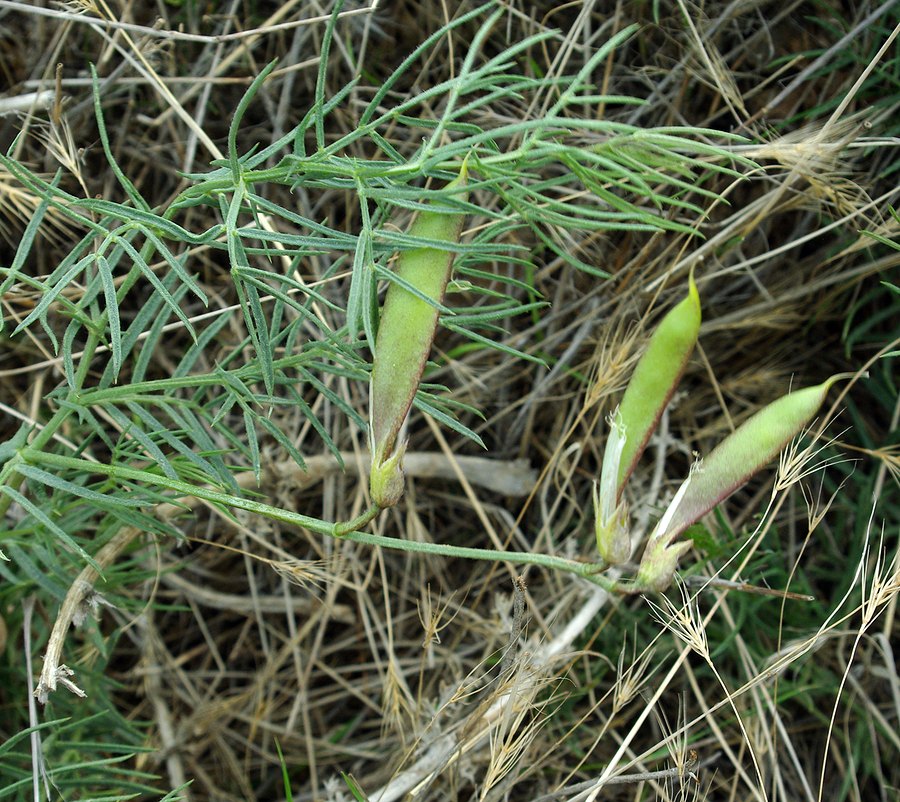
{"x":752,"y":446}
{"x":730,"y":464}
{"x":655,"y":378}
{"x":405,"y":333}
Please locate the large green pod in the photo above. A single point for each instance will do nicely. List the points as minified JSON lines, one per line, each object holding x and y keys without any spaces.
{"x":405,"y":334}
{"x":655,"y":378}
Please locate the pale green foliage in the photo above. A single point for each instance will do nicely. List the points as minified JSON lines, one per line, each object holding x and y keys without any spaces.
{"x":200,"y":425}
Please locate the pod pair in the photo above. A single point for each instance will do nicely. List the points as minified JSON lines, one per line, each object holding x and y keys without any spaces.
{"x":728,"y":467}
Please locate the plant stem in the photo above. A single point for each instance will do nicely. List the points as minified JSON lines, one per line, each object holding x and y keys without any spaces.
{"x":120,"y":472}
{"x":590,"y":571}
{"x":342,"y":529}
{"x":45,"y":435}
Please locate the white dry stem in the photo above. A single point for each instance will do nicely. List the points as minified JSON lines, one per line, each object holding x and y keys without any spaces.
{"x":877,"y":593}
{"x":713,"y":68}
{"x":686,"y":623}
{"x":839,"y":46}
{"x":508,"y":477}
{"x":796,"y":463}
{"x":448,"y":747}
{"x":132,"y":53}
{"x":273,"y":603}
{"x":745,"y":220}
{"x":37,"y":765}
{"x":516,"y":730}
{"x":834,"y":626}
{"x":631,"y":679}
{"x":588,"y":790}
{"x":268,"y":28}
{"x":54,"y":672}
{"x":30,"y":101}
{"x":889,"y":673}
{"x":168,"y":736}
{"x":38,"y":426}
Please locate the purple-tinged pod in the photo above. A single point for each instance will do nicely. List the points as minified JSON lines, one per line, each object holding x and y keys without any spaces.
{"x":729,"y":466}
{"x":405,"y":333}
{"x":661,"y":556}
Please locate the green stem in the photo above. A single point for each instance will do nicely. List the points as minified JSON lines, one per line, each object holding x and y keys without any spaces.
{"x":589,"y":571}
{"x":43,"y":436}
{"x":119,"y":472}
{"x":342,"y":529}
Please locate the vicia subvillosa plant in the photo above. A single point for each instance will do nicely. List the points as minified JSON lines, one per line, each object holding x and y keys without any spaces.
{"x":728,"y":467}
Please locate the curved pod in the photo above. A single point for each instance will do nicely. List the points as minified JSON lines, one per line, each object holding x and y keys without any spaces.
{"x":754,"y":444}
{"x":655,"y":378}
